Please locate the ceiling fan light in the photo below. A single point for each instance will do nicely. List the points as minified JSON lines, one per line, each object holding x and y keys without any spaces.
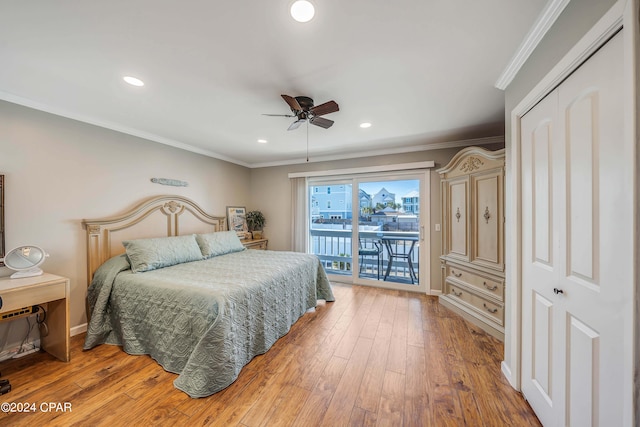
{"x":302,"y":11}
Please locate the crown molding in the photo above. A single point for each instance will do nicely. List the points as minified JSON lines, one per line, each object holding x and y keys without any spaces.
{"x":547,"y":18}
{"x":9,"y":97}
{"x":386,"y":152}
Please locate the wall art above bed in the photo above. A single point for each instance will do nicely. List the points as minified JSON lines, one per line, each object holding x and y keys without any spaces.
{"x":237,"y":218}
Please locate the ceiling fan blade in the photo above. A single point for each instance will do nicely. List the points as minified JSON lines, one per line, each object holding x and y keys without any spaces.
{"x":326,"y":108}
{"x":322,"y":122}
{"x":279,"y":115}
{"x":293,"y":103}
{"x":296,"y":124}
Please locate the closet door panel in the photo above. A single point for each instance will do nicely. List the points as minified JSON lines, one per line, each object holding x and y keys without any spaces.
{"x":577,"y":188}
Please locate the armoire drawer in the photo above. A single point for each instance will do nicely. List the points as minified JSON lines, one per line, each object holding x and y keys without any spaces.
{"x":488,"y":308}
{"x":493,"y":287}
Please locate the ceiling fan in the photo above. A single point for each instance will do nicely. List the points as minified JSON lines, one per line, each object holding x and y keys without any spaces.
{"x":303,"y":110}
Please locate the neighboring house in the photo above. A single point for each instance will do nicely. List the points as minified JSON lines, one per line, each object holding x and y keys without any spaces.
{"x":400,"y":221}
{"x":331,"y":201}
{"x":384,"y":197}
{"x":411,"y":202}
{"x":385,"y":215}
{"x":365,"y":200}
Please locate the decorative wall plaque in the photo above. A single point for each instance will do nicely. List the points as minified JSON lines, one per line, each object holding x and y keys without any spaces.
{"x":172,"y":182}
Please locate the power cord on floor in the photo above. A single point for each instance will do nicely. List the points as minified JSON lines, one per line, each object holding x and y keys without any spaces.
{"x":5,"y":385}
{"x":44,"y":329}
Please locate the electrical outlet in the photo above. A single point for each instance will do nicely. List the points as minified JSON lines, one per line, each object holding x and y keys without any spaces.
{"x":437,"y":227}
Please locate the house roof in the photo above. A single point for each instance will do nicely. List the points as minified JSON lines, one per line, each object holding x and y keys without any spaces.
{"x":411,"y":194}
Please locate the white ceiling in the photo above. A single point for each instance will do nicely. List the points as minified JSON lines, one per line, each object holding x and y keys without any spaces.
{"x":421,"y":71}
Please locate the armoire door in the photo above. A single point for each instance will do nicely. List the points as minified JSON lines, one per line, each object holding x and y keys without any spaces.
{"x":577,"y":246}
{"x":457,"y":194}
{"x":488,"y":219}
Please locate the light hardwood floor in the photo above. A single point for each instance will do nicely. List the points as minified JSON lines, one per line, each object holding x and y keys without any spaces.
{"x":373,"y":357}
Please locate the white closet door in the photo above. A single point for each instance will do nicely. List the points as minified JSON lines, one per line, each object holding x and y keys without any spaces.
{"x":577,"y":249}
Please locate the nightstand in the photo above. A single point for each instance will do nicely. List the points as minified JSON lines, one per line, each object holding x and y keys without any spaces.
{"x":255,"y":244}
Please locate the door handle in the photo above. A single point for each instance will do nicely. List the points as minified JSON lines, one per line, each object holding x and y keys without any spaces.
{"x":558,"y":291}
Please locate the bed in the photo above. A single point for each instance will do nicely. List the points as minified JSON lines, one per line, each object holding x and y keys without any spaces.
{"x":187,"y":293}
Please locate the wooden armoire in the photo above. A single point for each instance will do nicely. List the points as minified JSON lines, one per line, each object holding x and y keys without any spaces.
{"x":472,"y":258}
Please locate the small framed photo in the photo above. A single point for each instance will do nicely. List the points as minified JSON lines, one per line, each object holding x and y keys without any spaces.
{"x":236,"y":220}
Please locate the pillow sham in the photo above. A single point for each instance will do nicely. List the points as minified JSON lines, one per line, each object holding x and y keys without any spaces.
{"x":151,"y":254}
{"x":219,"y":243}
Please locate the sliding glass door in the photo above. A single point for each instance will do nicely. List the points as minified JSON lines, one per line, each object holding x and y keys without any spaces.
{"x":330,"y":225}
{"x":370,"y":229}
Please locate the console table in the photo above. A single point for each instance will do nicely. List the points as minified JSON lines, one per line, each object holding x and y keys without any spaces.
{"x":46,"y":289}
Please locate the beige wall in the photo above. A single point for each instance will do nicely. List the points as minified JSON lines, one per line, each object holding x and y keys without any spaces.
{"x":271,"y":193}
{"x":60,"y":171}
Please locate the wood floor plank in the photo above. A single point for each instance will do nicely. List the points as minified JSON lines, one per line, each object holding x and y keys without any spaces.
{"x":417,"y":406}
{"x":372,"y":357}
{"x":351,"y":335}
{"x":391,"y":407}
{"x":345,"y":395}
{"x":287,"y":410}
{"x":440,"y":388}
{"x":370,"y":389}
{"x":415,"y":329}
{"x":397,"y":359}
{"x":361,"y":418}
{"x":316,"y":405}
{"x":375,"y":313}
{"x":276,"y":388}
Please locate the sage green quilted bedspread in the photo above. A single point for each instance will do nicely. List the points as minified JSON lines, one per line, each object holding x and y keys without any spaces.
{"x":204,"y":320}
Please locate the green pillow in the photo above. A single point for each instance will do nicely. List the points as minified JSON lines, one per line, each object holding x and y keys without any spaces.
{"x":151,"y":254}
{"x":219,"y":243}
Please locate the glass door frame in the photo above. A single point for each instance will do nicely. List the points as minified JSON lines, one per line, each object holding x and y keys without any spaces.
{"x":423,"y":177}
{"x":424,"y":241}
{"x":329,"y":181}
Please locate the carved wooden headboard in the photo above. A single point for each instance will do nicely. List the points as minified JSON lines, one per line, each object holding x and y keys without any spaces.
{"x":159,"y":216}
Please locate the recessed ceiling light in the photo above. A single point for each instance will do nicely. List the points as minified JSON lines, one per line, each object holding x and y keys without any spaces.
{"x":365,"y":125}
{"x":133,"y":81}
{"x":262,"y":141}
{"x":302,"y":10}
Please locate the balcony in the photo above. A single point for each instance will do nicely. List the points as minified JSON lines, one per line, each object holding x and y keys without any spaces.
{"x":333,"y":247}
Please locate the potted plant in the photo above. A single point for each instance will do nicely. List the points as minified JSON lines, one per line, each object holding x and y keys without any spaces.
{"x":255,"y":223}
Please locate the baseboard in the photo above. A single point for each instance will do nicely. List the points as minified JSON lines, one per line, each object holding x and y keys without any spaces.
{"x":77,"y":330}
{"x":506,"y":371}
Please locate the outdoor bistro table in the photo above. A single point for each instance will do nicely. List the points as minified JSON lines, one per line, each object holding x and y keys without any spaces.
{"x":400,"y":255}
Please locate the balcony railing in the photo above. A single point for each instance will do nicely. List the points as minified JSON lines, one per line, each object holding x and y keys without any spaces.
{"x":334,"y":249}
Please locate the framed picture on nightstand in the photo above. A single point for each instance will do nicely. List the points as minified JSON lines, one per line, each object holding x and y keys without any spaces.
{"x":236,"y":220}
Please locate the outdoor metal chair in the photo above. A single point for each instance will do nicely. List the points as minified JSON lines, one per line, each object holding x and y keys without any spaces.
{"x":374,"y":251}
